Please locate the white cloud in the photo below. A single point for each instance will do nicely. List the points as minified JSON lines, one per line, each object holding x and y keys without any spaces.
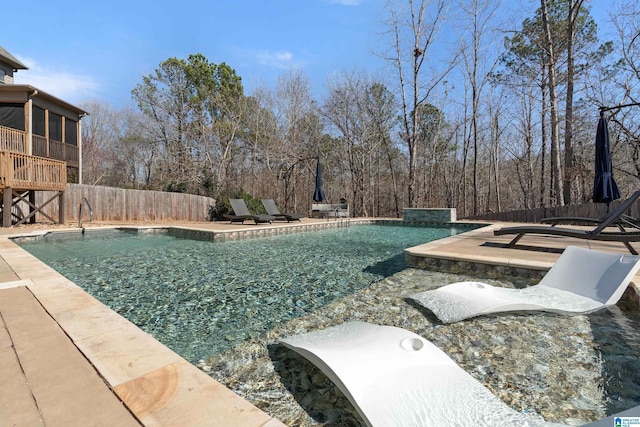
{"x":62,"y":84}
{"x":283,"y":60}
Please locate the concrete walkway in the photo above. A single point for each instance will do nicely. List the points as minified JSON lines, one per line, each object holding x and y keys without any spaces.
{"x":41,"y":368}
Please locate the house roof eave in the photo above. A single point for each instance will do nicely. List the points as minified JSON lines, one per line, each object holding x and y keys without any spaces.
{"x":11,"y":60}
{"x":35,"y":92}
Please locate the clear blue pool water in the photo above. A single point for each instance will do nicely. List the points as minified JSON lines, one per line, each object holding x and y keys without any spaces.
{"x":202,"y":298}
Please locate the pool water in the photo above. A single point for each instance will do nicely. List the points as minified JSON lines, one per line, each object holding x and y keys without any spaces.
{"x":568,"y":369}
{"x":202,"y":298}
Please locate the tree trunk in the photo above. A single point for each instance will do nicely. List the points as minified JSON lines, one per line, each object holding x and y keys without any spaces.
{"x":574,"y":8}
{"x":543,"y":148}
{"x":556,"y":166}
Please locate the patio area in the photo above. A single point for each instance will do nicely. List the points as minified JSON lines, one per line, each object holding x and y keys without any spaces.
{"x":69,"y":360}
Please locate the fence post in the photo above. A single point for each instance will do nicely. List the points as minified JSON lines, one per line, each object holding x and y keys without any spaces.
{"x":61,"y":216}
{"x":7,"y":204}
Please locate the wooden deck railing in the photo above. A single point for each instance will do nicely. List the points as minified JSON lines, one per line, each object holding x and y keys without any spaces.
{"x":12,"y":140}
{"x":40,"y":146}
{"x":56,"y":149}
{"x":72,"y":155}
{"x":24,"y":172}
{"x":15,"y":141}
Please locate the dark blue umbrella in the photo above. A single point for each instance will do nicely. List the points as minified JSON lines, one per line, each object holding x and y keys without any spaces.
{"x":605,"y":189}
{"x":318,"y":195}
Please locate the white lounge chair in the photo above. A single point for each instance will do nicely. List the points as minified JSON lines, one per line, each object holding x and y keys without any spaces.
{"x":581,"y":281}
{"x":394,"y":377}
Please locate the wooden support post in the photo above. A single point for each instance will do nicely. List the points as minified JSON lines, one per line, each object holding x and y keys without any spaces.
{"x":61,"y":207}
{"x":7,"y":204}
{"x":32,"y":200}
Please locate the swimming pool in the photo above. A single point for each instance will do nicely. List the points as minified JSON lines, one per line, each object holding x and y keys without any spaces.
{"x":202,"y":298}
{"x":569,"y":369}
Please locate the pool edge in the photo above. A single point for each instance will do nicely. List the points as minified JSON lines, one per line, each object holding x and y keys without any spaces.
{"x":157,"y":385}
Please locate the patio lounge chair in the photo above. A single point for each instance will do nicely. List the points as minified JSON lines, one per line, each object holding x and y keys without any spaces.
{"x":581,"y":281}
{"x":272,"y":209}
{"x":394,"y":377}
{"x":621,"y":222}
{"x":241,"y":213}
{"x":597,"y":233}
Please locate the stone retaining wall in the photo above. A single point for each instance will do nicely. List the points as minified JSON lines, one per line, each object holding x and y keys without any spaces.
{"x":481,"y":269}
{"x":444,"y":215}
{"x":259,"y":232}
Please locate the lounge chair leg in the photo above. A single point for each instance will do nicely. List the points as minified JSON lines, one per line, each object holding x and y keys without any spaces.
{"x":628,"y":245}
{"x":515,"y":240}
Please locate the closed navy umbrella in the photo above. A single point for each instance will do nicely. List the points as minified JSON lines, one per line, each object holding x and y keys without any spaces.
{"x":318,"y":195}
{"x":605,"y":189}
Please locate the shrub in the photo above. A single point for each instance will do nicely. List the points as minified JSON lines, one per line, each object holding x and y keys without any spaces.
{"x":176,"y":187}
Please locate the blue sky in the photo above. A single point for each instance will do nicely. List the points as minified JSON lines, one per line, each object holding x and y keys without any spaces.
{"x":99,"y":50}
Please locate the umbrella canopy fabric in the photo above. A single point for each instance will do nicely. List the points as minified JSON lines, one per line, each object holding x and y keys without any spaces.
{"x":318,"y":195}
{"x":605,"y":189}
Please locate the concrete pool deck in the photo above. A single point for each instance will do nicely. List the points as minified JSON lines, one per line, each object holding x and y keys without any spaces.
{"x":69,"y":360}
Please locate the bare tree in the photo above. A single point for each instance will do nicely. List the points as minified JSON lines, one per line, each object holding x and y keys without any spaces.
{"x":479,"y":15}
{"x":100,"y":135}
{"x":381,"y":112}
{"x":622,"y":87}
{"x":551,"y":64}
{"x":299,"y":135}
{"x":261,"y":138}
{"x":137,"y":157}
{"x":345,"y":111}
{"x":573,"y":13}
{"x":413,"y":33}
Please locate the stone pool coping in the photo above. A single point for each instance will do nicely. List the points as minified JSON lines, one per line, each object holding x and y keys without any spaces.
{"x":156,"y":385}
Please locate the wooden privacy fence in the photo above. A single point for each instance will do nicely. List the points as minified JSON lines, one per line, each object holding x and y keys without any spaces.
{"x":588,"y":210}
{"x":118,"y":204}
